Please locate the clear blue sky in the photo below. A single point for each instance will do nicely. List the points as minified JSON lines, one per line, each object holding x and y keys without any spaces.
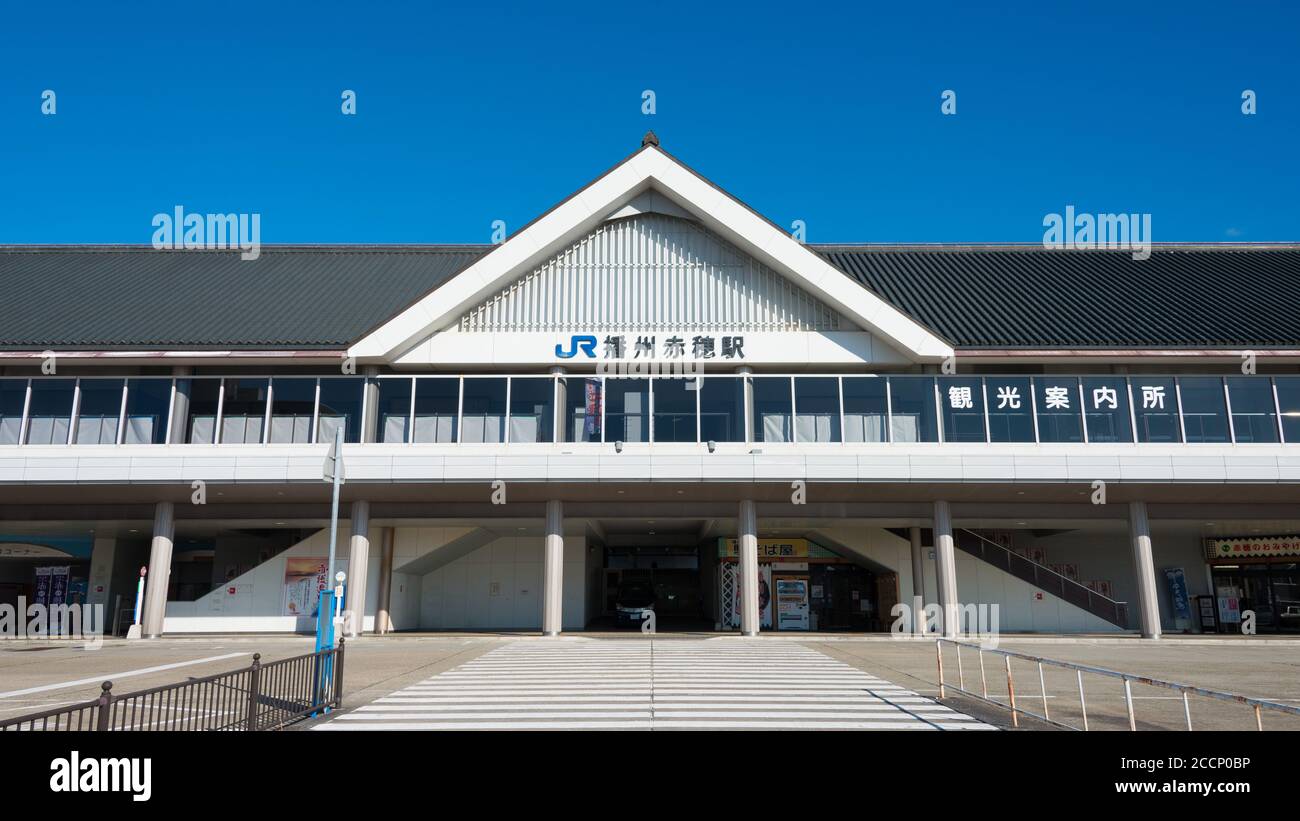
{"x":473,"y":112}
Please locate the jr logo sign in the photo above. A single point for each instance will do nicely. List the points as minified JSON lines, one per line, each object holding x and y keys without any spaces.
{"x":584,"y":343}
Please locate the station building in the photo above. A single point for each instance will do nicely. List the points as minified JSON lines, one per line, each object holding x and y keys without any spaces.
{"x":651,"y":384}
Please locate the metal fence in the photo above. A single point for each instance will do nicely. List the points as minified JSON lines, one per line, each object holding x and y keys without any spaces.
{"x":262,"y":696}
{"x":1018,"y":709}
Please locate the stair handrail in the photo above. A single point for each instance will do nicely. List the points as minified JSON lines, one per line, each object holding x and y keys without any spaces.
{"x":1089,"y":592}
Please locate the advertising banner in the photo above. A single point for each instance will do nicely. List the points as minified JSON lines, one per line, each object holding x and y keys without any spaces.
{"x":1253,"y":546}
{"x":1178,"y":598}
{"x":304,"y":579}
{"x":764,"y":598}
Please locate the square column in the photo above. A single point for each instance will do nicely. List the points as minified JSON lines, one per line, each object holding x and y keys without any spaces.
{"x":1144,"y":570}
{"x":918,"y":581}
{"x":160,"y":569}
{"x":747,"y":539}
{"x":383,"y":618}
{"x":553,"y":570}
{"x":358,"y":563}
{"x":946,"y":567}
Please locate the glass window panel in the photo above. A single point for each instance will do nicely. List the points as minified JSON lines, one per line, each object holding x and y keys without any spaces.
{"x":962,"y":400}
{"x":341,"y":398}
{"x":148,"y":402}
{"x":1288,"y":400}
{"x":243,"y":411}
{"x":394,"y":408}
{"x":437,"y":401}
{"x":866,"y":408}
{"x":772,"y":409}
{"x":1011,"y":411}
{"x":627,"y":412}
{"x":484,"y":418}
{"x":13,"y":395}
{"x":675,"y":409}
{"x":101,"y":406}
{"x":817,"y":409}
{"x":722,"y":408}
{"x":293,"y":402}
{"x":1105,"y":402}
{"x":531,"y":401}
{"x":201,"y":416}
{"x":50,"y":416}
{"x":1155,"y":407}
{"x":582,"y":400}
{"x":1205,"y":413}
{"x":1254,"y":416}
{"x":913,"y":417}
{"x":1059,"y":415}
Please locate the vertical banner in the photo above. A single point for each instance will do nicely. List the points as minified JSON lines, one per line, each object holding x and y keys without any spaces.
{"x":764,"y":597}
{"x":59,"y":577}
{"x":42,"y":596}
{"x":304,"y":579}
{"x":1178,"y":599}
{"x":591,"y":406}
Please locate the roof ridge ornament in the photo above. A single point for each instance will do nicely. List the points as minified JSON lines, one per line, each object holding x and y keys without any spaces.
{"x":649,"y":139}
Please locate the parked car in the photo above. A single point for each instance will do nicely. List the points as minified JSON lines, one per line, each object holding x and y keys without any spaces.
{"x":635,"y":600}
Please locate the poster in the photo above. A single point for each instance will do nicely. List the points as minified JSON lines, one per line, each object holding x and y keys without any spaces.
{"x":764,"y":598}
{"x":304,"y":579}
{"x":792,"y":604}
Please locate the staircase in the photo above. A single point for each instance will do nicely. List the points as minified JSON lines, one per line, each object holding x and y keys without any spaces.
{"x":1044,"y":578}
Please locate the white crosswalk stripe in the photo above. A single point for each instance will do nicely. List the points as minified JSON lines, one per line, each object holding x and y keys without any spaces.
{"x":659,"y":684}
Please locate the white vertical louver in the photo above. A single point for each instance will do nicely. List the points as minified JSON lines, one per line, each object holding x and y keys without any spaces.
{"x":654,"y":273}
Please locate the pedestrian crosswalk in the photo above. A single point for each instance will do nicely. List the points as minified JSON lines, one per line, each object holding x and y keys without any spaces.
{"x":659,"y":684}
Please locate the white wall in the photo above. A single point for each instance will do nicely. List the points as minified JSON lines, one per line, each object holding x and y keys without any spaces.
{"x":499,"y":587}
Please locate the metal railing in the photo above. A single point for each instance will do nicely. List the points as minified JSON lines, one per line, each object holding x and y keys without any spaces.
{"x":1128,"y":679}
{"x":1044,"y":578}
{"x":262,"y":696}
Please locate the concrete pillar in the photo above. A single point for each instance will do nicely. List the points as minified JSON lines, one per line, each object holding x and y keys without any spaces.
{"x":918,"y":581}
{"x":561,"y":402}
{"x":358,"y":561}
{"x":747,"y":540}
{"x":945,"y":562}
{"x":553,"y":570}
{"x":1144,"y":570}
{"x":370,"y":428}
{"x":383,"y":620}
{"x":180,"y":405}
{"x":160,"y":569}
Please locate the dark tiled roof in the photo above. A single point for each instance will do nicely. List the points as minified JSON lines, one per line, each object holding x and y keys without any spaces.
{"x":1031,"y":297}
{"x":140,"y":298}
{"x":322,"y":297}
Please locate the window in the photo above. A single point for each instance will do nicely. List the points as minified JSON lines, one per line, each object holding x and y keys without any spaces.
{"x":817,"y":409}
{"x":200,"y":397}
{"x":1254,"y":416}
{"x":531,"y":400}
{"x":627,"y":412}
{"x":1155,"y":406}
{"x":1106,"y":411}
{"x":1288,"y":400}
{"x":293,"y":403}
{"x":147,"y":404}
{"x":866,"y":408}
{"x":772,"y":408}
{"x":394,"y":404}
{"x":1059,"y":414}
{"x":722,"y":408}
{"x":437,"y":402}
{"x":13,"y":395}
{"x":243,"y":411}
{"x":913,"y":417}
{"x":484,"y":416}
{"x":1205,"y":414}
{"x":340,"y":407}
{"x":582,"y":405}
{"x":1011,"y":411}
{"x":675,"y":409}
{"x":962,"y":401}
{"x":50,"y":417}
{"x":99,"y":411}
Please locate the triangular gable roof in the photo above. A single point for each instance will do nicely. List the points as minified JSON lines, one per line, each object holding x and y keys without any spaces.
{"x":648,"y":169}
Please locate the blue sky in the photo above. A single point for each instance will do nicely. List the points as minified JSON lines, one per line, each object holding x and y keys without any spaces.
{"x":469,"y":113}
